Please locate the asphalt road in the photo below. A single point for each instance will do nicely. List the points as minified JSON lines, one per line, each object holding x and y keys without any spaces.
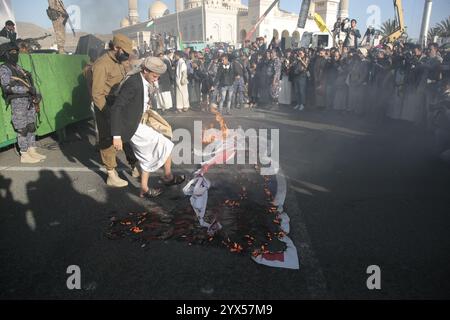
{"x":360,"y":194}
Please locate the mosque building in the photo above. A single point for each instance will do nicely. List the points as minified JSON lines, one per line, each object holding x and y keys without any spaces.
{"x":224,"y":20}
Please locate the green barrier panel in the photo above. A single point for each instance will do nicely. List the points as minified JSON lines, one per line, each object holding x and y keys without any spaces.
{"x":64,"y":91}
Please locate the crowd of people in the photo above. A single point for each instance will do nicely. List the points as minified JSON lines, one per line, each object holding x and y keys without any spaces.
{"x":159,"y":42}
{"x":401,"y":81}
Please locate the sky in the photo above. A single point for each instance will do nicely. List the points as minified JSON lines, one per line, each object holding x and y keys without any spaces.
{"x":103,"y":16}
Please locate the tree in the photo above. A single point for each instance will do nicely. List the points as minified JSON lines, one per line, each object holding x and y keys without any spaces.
{"x":444,"y":28}
{"x":388,"y":27}
{"x":433,"y":32}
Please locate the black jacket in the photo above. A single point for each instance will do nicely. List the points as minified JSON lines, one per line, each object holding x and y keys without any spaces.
{"x":12,"y":36}
{"x":166,"y":81}
{"x":238,"y":68}
{"x":225,"y":77}
{"x":127,"y":111}
{"x":297,"y":70}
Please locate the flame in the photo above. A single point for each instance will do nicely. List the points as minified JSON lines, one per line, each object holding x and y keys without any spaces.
{"x":232,"y":203}
{"x":221,"y":121}
{"x":236,"y":248}
{"x":243,"y":194}
{"x":208,"y":138}
{"x":223,"y":128}
{"x":137,"y":230}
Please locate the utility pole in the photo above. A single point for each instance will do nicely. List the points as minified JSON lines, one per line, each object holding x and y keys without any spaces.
{"x":426,"y":22}
{"x":178,"y":29}
{"x":203,"y":21}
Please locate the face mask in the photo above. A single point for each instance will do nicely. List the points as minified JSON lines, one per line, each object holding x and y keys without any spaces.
{"x":122,"y":56}
{"x":12,"y":58}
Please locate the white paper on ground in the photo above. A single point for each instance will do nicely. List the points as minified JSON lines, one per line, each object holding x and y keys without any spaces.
{"x":198,"y":188}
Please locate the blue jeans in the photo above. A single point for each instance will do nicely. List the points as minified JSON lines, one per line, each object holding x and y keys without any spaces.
{"x":224,"y":91}
{"x":300,"y":89}
{"x":238,"y":89}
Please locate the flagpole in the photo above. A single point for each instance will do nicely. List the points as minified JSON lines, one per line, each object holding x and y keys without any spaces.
{"x":178,"y":29}
{"x":261,"y":19}
{"x":203,"y":21}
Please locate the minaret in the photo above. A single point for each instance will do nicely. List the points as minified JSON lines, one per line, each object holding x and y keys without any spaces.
{"x":133,"y":13}
{"x":328,"y":10}
{"x":179,"y":5}
{"x":343,"y":9}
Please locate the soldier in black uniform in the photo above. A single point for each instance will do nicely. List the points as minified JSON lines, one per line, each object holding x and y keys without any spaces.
{"x":9,"y":31}
{"x":20,"y":93}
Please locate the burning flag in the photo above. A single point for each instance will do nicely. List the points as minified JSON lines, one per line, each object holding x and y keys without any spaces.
{"x":275,"y":190}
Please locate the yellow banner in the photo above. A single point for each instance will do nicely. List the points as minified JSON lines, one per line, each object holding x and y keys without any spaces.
{"x":320,"y":23}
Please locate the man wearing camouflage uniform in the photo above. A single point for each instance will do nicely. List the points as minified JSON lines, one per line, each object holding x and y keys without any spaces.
{"x":107,"y":74}
{"x":21,"y":96}
{"x":58,"y":15}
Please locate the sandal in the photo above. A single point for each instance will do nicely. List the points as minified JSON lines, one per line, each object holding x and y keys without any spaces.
{"x":152,"y":193}
{"x":176,"y":180}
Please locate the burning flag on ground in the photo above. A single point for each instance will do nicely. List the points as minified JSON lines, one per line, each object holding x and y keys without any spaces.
{"x":236,"y":214}
{"x":288,"y":258}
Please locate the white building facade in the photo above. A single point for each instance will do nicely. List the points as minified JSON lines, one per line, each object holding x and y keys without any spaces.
{"x":225,"y":21}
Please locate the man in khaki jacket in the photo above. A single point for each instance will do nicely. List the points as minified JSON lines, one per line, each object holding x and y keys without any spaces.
{"x":108,"y":72}
{"x":58,"y":15}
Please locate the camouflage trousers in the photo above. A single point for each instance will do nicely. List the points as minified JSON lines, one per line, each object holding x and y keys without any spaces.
{"x":24,"y":123}
{"x":60,"y":33}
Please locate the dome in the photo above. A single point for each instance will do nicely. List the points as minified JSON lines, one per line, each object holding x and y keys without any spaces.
{"x":157,"y":10}
{"x":125,"y":23}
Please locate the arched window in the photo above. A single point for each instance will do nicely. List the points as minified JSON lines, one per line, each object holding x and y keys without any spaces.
{"x":296,"y":38}
{"x":276,"y":34}
{"x":200,"y":32}
{"x":216,"y":34}
{"x":230,"y":34}
{"x":193,"y":35}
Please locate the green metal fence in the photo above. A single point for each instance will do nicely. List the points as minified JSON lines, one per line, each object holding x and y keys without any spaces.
{"x":66,"y":99}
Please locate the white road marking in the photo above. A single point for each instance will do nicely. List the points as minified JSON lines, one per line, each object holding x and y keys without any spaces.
{"x":309,"y":264}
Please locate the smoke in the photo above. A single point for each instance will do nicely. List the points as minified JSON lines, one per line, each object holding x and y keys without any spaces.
{"x":100,"y":16}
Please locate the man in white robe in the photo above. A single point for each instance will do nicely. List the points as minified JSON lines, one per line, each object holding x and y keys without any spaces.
{"x":151,"y":147}
{"x":181,"y":84}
